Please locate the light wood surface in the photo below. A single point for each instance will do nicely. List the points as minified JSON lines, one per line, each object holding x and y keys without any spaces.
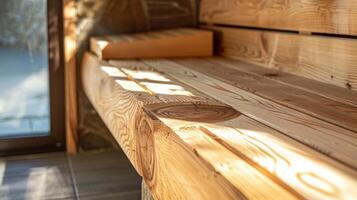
{"x":326,"y":59}
{"x":182,"y":42}
{"x":334,"y":141}
{"x":244,"y":76}
{"x":316,"y":87}
{"x":177,"y":161}
{"x":70,"y":50}
{"x":322,"y":16}
{"x":210,"y":151}
{"x":149,"y":145}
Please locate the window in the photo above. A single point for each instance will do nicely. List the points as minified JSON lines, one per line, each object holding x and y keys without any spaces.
{"x":31,"y":75}
{"x":24,"y":80}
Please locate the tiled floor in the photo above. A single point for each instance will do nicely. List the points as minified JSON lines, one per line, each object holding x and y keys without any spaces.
{"x":102,"y":176}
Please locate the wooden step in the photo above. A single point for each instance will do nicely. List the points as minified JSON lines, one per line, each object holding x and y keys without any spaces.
{"x":188,"y":145}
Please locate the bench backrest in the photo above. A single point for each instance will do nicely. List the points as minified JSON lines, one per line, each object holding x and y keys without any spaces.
{"x":313,"y":39}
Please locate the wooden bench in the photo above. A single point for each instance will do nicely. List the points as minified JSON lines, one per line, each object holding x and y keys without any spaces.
{"x":273,"y":117}
{"x":185,"y":143}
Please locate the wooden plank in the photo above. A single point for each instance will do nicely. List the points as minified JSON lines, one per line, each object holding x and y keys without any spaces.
{"x":239,"y":75}
{"x":278,"y":156}
{"x":70,"y":49}
{"x":337,"y":17}
{"x":329,"y":139}
{"x":325,"y":59}
{"x":171,"y":43}
{"x":316,"y":87}
{"x":192,"y":152}
{"x":175,"y":162}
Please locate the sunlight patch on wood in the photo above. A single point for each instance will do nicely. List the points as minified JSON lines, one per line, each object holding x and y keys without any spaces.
{"x":130,"y":86}
{"x":168,"y":89}
{"x":148,"y":75}
{"x":113,"y":71}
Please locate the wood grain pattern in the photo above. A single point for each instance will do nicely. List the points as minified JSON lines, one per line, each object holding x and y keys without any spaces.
{"x":172,"y":166}
{"x":316,"y":87}
{"x":329,"y":139}
{"x":321,"y":16}
{"x":240,"y":75}
{"x":325,"y":59}
{"x":184,"y":157}
{"x":277,"y":156}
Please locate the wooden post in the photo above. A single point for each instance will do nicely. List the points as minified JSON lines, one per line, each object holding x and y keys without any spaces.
{"x":70,"y":49}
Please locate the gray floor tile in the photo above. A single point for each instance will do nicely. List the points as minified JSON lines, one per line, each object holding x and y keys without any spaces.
{"x":106,"y":175}
{"x":35,"y":156}
{"x":49,"y":184}
{"x":92,"y":161}
{"x":106,"y":181}
{"x":134,"y":195}
{"x":22,"y":166}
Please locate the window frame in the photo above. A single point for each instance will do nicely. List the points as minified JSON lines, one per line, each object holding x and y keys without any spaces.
{"x":55,"y":141}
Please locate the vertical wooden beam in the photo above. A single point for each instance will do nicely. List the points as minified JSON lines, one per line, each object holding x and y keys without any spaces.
{"x":70,"y":49}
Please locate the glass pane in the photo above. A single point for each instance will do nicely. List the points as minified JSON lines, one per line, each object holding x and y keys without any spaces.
{"x":24,"y":80}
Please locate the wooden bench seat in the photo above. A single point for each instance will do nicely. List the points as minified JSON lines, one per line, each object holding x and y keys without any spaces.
{"x":215,"y":128}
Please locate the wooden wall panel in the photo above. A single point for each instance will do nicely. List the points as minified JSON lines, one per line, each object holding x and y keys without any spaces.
{"x":324,"y":16}
{"x":326,"y":59}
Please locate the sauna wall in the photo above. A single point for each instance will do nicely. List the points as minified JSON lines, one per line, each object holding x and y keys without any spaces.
{"x":315,"y":39}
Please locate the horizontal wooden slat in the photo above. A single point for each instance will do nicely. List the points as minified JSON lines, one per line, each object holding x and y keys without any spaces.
{"x":329,"y":139}
{"x":239,"y":74}
{"x":322,"y":16}
{"x":316,"y":87}
{"x":183,"y":42}
{"x":326,"y":59}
